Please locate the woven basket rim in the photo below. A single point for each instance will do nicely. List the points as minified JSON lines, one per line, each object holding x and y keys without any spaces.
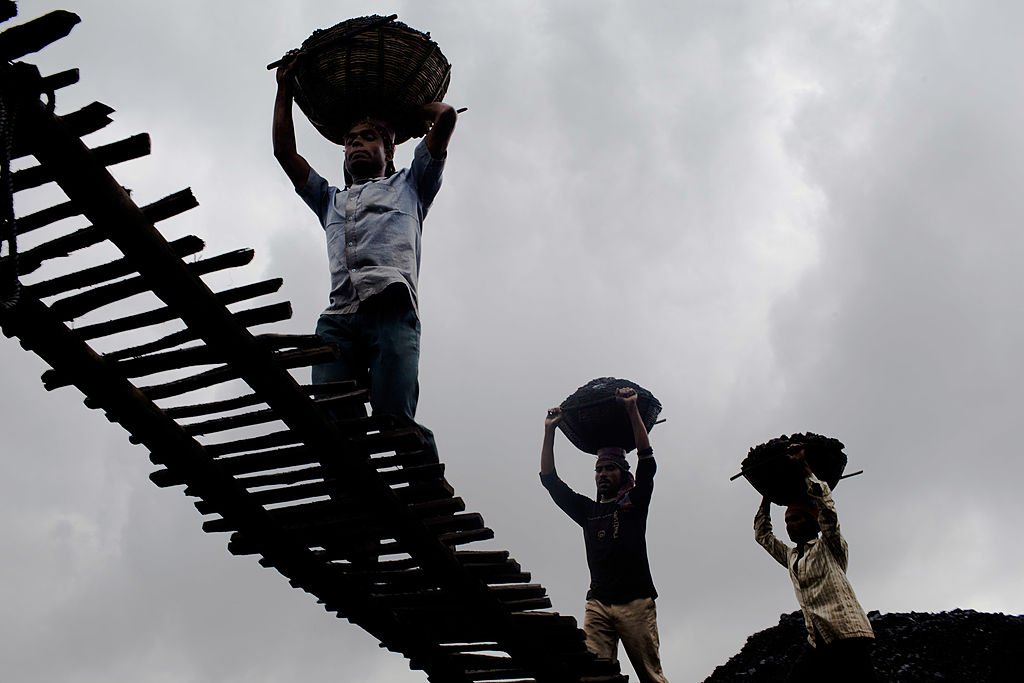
{"x":649,"y":405}
{"x":387,"y":72}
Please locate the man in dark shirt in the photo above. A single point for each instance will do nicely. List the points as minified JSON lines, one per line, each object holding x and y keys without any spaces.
{"x":620,"y":602}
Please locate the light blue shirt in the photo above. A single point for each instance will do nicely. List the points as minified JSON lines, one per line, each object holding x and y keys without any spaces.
{"x":373,"y":229}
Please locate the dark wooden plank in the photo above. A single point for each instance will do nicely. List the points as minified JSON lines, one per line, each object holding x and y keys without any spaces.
{"x":481,"y":556}
{"x":415,"y":600}
{"x":469,"y":521}
{"x":44,"y":217}
{"x":314,"y":473}
{"x":292,"y":493}
{"x":456,"y":538}
{"x":471,"y":647}
{"x":213,"y":407}
{"x":491,"y":663}
{"x":88,"y":119}
{"x":516,"y":592}
{"x":59,"y":80}
{"x":184,"y":246}
{"x":365,"y":520}
{"x":342,"y":388}
{"x":502,"y":675}
{"x":77,"y":305}
{"x":508,"y":572}
{"x":414,"y":474}
{"x":351,"y":508}
{"x":192,"y":356}
{"x":421,"y":492}
{"x":451,"y":539}
{"x":287,"y":359}
{"x":339,"y":541}
{"x":437,"y":507}
{"x":548,"y":622}
{"x":274,"y":440}
{"x":261,"y":315}
{"x":256,"y":417}
{"x":293,"y":456}
{"x":170,"y":206}
{"x":32,"y":36}
{"x":404,"y":459}
{"x":195,"y":382}
{"x":32,"y":259}
{"x":390,"y":565}
{"x":404,"y":439}
{"x":162,"y":315}
{"x":308,"y":514}
{"x":115,"y":153}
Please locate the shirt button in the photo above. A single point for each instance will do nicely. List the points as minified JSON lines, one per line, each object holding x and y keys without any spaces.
{"x":351,"y":244}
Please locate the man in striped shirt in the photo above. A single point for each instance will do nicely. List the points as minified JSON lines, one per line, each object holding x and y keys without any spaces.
{"x":838,"y":631}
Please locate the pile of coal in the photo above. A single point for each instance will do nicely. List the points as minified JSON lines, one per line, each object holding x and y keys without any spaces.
{"x":774,"y":475}
{"x":957,"y":646}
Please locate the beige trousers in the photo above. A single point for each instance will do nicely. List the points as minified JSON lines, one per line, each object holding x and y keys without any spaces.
{"x":636,"y":624}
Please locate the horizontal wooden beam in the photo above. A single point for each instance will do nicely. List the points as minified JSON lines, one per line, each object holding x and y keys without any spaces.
{"x":32,"y":36}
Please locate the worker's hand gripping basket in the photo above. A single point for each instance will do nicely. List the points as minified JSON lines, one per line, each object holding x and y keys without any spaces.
{"x":369,"y":66}
{"x":592,"y":418}
{"x":771,"y":471}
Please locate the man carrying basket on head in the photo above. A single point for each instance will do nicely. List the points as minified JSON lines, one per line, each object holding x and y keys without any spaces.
{"x":839,"y":634}
{"x":620,"y":602}
{"x":373,"y":227}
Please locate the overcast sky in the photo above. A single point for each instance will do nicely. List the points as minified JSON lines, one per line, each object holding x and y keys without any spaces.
{"x":777,"y":216}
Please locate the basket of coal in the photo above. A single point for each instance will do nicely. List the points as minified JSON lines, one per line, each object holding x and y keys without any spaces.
{"x":369,"y":66}
{"x":593,"y":419}
{"x":769,"y":469}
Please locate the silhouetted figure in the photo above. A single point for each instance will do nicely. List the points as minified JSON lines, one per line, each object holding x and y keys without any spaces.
{"x":839,"y":635}
{"x":620,"y":602}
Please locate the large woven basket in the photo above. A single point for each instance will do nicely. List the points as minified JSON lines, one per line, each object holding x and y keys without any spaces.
{"x":774,"y":475}
{"x":592,"y":418}
{"x":386,"y":71}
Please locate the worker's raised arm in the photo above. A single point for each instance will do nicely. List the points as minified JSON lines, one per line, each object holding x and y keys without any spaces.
{"x":441,"y":118}
{"x":627,"y":396}
{"x":547,"y":449}
{"x":765,"y":537}
{"x":296,"y":167}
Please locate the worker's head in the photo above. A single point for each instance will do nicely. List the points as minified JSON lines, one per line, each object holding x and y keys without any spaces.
{"x":369,"y":150}
{"x":610,"y":471}
{"x":802,"y":522}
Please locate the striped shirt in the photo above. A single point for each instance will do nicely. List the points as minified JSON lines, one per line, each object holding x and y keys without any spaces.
{"x":831,"y":611}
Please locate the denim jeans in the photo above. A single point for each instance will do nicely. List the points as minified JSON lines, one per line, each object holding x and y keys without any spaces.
{"x":380,"y":348}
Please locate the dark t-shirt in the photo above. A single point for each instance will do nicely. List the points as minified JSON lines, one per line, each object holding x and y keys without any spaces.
{"x":615,"y":535}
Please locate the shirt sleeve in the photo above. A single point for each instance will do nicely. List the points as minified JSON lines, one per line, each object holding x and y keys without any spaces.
{"x":425,"y":174}
{"x":764,"y":536}
{"x":646,"y":468}
{"x":572,"y":503}
{"x":828,"y":520}
{"x":317,"y":195}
